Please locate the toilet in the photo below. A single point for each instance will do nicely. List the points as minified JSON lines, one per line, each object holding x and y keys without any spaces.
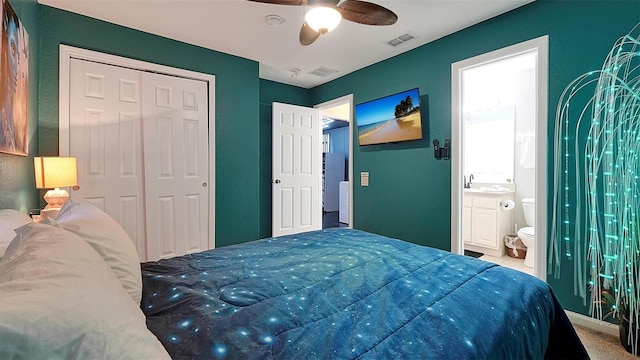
{"x":526,"y":234}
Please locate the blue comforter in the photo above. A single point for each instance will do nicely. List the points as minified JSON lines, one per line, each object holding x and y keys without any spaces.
{"x":345,"y":294}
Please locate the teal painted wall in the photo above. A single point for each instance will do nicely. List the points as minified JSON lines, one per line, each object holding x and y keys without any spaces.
{"x":237,"y":106}
{"x":17,"y":184}
{"x":271,"y":92}
{"x":409,"y":195}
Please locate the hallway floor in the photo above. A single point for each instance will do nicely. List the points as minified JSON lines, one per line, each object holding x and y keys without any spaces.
{"x":330,"y":220}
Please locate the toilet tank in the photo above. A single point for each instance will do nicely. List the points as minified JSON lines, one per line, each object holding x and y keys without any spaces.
{"x":529,"y":209}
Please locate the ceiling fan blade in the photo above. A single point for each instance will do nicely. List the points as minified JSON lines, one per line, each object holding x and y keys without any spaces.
{"x":308,"y":35}
{"x":283,"y":2}
{"x":363,"y":12}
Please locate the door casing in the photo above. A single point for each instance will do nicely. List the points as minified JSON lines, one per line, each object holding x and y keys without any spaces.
{"x":347,"y":99}
{"x":541,"y":45}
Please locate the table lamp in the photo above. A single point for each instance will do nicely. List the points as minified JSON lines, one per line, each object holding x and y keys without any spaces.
{"x":55,"y":172}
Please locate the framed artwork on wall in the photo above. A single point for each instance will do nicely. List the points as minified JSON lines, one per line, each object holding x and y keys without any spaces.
{"x":14,"y":75}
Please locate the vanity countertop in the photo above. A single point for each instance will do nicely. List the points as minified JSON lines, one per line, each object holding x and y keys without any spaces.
{"x":488,"y":191}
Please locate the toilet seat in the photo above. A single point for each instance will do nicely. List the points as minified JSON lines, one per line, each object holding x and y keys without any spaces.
{"x":527,"y":231}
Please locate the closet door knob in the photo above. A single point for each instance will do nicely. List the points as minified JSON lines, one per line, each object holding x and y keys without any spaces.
{"x":277,"y":181}
{"x":204,"y":184}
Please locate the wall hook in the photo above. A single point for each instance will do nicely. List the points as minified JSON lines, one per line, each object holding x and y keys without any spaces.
{"x":441,"y":152}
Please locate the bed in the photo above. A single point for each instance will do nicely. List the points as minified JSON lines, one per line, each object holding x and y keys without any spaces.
{"x":73,"y":288}
{"x":346,"y":294}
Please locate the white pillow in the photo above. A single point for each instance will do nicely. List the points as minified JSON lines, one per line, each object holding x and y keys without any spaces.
{"x":10,"y":219}
{"x":60,"y":300}
{"x":109,"y":239}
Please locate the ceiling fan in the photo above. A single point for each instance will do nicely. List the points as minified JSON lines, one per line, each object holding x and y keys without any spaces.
{"x":325,"y":15}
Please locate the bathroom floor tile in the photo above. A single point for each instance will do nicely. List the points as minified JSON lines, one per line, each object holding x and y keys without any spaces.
{"x":517,"y":264}
{"x":507,"y":261}
{"x":513,"y":262}
{"x":493,"y":259}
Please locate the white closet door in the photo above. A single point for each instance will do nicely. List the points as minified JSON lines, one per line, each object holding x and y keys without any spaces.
{"x":105,"y":136}
{"x":175,"y":129}
{"x":141,"y":140}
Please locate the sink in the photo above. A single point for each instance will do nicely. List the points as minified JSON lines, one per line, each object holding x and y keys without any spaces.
{"x":495,"y":188}
{"x":488,"y":190}
{"x":473,"y":190}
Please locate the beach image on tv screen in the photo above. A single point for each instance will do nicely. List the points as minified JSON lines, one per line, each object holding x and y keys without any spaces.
{"x":390,"y":119}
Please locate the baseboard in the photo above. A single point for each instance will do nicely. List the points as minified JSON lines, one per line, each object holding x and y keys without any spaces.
{"x":593,"y":324}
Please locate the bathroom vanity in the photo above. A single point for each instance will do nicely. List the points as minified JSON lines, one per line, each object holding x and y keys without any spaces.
{"x":485,"y":222}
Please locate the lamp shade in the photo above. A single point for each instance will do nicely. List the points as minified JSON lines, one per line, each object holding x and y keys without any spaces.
{"x":323,"y":18}
{"x":55,"y":172}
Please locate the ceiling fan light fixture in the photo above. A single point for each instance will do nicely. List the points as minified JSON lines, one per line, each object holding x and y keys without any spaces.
{"x":323,"y":18}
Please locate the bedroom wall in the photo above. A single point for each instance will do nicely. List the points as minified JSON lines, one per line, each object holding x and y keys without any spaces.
{"x":17,"y":185}
{"x":409,"y":192}
{"x":408,"y":196}
{"x":237,"y":109}
{"x":270,"y":92}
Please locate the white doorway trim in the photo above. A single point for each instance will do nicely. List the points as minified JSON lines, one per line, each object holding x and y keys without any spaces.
{"x":68,"y":52}
{"x":541,"y":46}
{"x":347,"y":99}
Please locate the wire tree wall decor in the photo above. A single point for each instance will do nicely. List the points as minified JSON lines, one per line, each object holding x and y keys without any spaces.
{"x":596,"y":203}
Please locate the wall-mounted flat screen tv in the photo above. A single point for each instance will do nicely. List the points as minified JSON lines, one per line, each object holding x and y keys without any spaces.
{"x":393,"y":118}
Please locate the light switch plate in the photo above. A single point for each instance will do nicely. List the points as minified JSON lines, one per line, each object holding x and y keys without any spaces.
{"x":364,"y":178}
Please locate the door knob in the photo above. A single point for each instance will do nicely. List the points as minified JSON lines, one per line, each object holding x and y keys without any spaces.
{"x":204,"y":184}
{"x":277,"y":181}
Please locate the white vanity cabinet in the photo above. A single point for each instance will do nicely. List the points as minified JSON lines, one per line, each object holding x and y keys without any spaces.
{"x":485,"y":223}
{"x":466,"y":219}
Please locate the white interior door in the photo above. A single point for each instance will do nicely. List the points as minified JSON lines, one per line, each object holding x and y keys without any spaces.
{"x":296,"y":166}
{"x":176,"y":165}
{"x":105,"y":137}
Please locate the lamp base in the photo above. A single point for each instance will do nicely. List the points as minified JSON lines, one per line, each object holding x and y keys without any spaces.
{"x":56,"y":198}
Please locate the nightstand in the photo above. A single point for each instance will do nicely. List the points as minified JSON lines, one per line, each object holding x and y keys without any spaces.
{"x":37,"y":214}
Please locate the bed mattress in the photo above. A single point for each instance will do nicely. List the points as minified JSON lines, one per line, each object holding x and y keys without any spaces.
{"x":346,"y":294}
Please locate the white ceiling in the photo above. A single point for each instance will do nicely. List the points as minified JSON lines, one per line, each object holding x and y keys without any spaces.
{"x":238,"y":27}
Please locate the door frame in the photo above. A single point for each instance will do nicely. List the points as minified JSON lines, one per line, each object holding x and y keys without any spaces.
{"x":68,"y":52}
{"x":346,"y":99}
{"x":541,"y":45}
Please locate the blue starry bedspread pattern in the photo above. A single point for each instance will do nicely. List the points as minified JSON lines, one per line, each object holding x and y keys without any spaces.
{"x":347,"y":294}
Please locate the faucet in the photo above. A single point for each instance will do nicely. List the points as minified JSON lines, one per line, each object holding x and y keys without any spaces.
{"x":467,"y":185}
{"x":464,"y":182}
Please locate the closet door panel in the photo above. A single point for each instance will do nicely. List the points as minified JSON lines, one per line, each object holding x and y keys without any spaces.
{"x":175,"y":129}
{"x":105,"y":137}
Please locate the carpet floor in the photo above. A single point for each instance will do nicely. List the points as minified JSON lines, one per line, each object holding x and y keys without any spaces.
{"x":602,"y":346}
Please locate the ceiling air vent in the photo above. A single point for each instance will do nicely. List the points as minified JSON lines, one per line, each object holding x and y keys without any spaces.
{"x":400,"y":39}
{"x":323,"y":72}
